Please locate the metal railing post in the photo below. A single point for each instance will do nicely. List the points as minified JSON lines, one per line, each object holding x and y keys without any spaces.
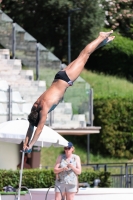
{"x":126,"y":172}
{"x":105,"y":168}
{"x":37,"y":61}
{"x":13,"y":40}
{"x":121,"y":177}
{"x":91,"y":122}
{"x":9,"y":103}
{"x":50,"y":118}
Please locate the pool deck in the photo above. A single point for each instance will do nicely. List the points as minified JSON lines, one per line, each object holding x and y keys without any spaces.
{"x":88,"y":194}
{"x":83,"y":194}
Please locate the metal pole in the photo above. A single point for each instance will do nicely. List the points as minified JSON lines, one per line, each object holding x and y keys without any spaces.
{"x":50,"y":120}
{"x":105,"y":168}
{"x":69,"y":36}
{"x":126,"y":172}
{"x":90,"y":121}
{"x":37,"y":61}
{"x":13,"y":40}
{"x":91,"y":106}
{"x":121,"y":178}
{"x":88,"y":149}
{"x":69,"y":32}
{"x":21,"y":172}
{"x":10,"y":103}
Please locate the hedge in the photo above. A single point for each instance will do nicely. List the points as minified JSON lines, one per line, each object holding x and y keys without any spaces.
{"x":115,"y":116}
{"x":42,"y":178}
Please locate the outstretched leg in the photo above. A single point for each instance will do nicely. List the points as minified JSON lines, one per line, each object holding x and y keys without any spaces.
{"x":74,"y":69}
{"x":106,"y":41}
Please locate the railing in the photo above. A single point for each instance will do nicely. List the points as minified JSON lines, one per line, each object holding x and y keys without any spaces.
{"x":122,"y":181}
{"x":121,"y":173}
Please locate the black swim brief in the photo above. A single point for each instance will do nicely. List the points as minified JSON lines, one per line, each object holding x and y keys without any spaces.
{"x":63,"y":76}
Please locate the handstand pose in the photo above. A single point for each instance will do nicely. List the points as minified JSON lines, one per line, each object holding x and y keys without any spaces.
{"x":63,"y":79}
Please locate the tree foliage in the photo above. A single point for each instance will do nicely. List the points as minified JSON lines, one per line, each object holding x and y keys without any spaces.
{"x":119,"y":16}
{"x":47,"y":21}
{"x":115,"y":58}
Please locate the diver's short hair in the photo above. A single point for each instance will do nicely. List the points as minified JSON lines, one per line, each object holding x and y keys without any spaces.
{"x":33,"y":118}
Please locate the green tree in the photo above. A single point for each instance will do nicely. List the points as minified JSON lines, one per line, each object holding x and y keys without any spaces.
{"x":47,"y":21}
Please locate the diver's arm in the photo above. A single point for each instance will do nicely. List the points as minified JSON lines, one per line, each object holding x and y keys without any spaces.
{"x":28,"y":136}
{"x":43,"y":117}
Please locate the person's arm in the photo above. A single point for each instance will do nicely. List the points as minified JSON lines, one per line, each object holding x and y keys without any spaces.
{"x":28,"y":136}
{"x":76,"y":169}
{"x":57,"y":168}
{"x":43,"y":117}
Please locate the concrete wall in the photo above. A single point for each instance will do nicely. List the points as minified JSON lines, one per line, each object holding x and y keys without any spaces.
{"x":12,"y":197}
{"x":88,"y":194}
{"x":9,"y":156}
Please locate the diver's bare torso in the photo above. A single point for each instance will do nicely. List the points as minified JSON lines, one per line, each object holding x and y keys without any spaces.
{"x":51,"y":96}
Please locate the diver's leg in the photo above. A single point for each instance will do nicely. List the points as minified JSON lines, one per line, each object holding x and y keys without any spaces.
{"x":74,"y":69}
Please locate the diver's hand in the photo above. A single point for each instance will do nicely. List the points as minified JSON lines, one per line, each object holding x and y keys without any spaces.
{"x":27,"y":148}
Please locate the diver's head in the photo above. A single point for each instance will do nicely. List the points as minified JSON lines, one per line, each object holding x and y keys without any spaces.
{"x":33,"y":118}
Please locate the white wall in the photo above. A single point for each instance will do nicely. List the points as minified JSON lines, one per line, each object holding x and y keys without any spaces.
{"x":88,"y":194}
{"x":9,"y":155}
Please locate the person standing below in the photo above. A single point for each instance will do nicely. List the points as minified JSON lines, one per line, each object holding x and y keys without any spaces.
{"x":62,"y":80}
{"x":67,"y":169}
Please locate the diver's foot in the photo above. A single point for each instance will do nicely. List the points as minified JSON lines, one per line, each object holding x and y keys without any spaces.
{"x":106,"y":41}
{"x":105,"y":35}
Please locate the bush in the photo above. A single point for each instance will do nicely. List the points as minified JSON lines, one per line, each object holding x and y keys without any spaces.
{"x":115,"y":116}
{"x":37,"y":178}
